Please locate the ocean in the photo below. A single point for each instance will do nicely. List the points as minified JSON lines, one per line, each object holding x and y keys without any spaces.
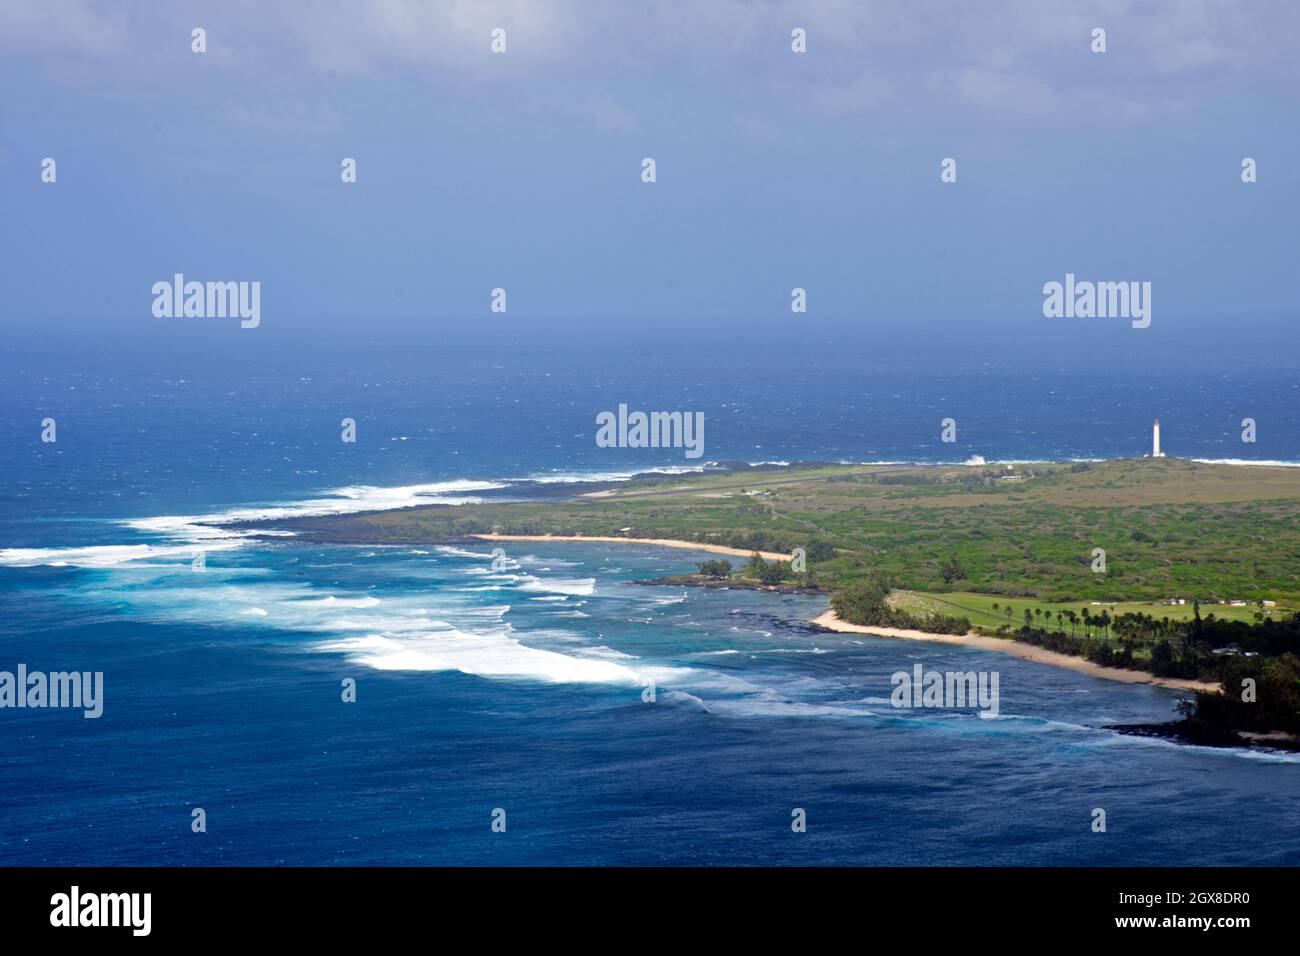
{"x":523,"y":687}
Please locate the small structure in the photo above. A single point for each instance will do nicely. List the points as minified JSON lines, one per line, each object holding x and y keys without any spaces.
{"x":1155,"y":441}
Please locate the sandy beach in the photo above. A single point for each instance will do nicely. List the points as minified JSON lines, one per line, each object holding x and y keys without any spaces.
{"x":659,"y":542}
{"x":1028,"y":652}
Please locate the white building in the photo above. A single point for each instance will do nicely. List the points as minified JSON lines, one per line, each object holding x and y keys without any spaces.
{"x":1155,"y":441}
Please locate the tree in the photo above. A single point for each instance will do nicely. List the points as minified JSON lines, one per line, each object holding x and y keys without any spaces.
{"x":819,"y":550}
{"x":862,"y":602}
{"x":866,"y":602}
{"x":952,"y":570}
{"x":715,"y":569}
{"x":1162,"y":659}
{"x":774,"y":573}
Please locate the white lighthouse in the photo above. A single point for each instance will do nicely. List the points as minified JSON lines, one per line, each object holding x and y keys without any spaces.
{"x":1155,"y":441}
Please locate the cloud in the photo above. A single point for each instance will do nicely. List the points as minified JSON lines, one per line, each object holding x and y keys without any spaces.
{"x":1008,"y":58}
{"x":453,"y":35}
{"x":59,"y":27}
{"x":1003,"y":90}
{"x":864,"y":92}
{"x":1027,"y":58}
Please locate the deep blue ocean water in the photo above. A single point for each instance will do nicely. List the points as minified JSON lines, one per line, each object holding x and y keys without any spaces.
{"x":521,"y":688}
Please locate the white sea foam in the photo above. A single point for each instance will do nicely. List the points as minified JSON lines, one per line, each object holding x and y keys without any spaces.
{"x":492,"y":656}
{"x":351,"y":499}
{"x":576,"y":586}
{"x":102,"y":556}
{"x":667,"y":599}
{"x":1116,"y":739}
{"x":212,"y":532}
{"x":606,"y":652}
{"x":462,"y":553}
{"x":582,"y":477}
{"x":332,"y":601}
{"x":1271,"y":463}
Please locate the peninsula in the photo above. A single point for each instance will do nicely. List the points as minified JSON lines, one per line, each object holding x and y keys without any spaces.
{"x":1148,"y":570}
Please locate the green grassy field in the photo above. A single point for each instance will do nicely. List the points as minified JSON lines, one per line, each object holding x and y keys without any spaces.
{"x":980,"y":609}
{"x":1170,"y":528}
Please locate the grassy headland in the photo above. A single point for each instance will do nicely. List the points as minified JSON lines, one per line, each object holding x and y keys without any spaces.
{"x":1170,"y":528}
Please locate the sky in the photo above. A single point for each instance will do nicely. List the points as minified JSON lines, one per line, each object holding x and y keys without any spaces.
{"x":522,"y":170}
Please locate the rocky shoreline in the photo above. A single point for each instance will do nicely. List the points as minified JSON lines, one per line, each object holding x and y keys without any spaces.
{"x":725,"y":584}
{"x":1201,"y":734}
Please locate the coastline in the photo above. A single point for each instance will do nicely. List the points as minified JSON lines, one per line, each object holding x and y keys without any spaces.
{"x":1027,"y":652}
{"x":658,"y":542}
{"x":829,"y":621}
